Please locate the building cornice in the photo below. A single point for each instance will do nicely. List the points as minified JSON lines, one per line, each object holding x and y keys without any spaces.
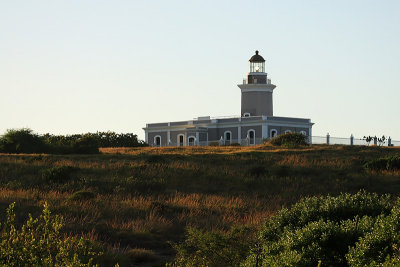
{"x":256,"y":87}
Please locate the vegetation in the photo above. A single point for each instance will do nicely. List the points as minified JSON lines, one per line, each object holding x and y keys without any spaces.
{"x":348,"y":230}
{"x":26,"y":141}
{"x":290,"y":140}
{"x":386,"y":163}
{"x":39,"y":242}
{"x":150,"y":206}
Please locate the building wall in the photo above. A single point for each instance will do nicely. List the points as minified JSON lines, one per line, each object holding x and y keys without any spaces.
{"x":257,"y":128}
{"x":257,"y":103}
{"x":174,"y":136}
{"x":163,"y":135}
{"x":233,"y":130}
{"x":282,"y":129}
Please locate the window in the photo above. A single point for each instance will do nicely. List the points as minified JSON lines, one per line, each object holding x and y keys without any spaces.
{"x":303,"y":133}
{"x":288,"y":131}
{"x":273,"y":133}
{"x":228,"y":137}
{"x":180,"y":140}
{"x":246,"y":114}
{"x":251,"y":136}
{"x":192,"y":140}
{"x":157,"y":140}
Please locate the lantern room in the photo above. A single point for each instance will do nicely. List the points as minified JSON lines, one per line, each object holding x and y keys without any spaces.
{"x":257,"y":63}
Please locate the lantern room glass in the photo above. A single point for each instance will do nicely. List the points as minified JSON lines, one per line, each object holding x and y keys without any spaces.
{"x":257,"y":67}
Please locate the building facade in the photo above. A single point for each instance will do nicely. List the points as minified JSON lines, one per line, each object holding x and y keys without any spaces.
{"x":255,"y":124}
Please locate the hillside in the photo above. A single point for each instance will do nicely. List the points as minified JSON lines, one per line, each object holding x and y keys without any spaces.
{"x":136,"y":201}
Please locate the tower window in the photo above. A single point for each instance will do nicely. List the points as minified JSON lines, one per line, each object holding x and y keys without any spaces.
{"x":273,"y":133}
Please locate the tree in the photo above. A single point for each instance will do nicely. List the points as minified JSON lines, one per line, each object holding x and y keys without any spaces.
{"x":22,"y":141}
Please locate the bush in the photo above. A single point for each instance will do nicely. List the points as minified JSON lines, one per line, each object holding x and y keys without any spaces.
{"x":289,"y":140}
{"x":213,"y":249}
{"x":387,"y":163}
{"x":22,"y":141}
{"x":214,"y":144}
{"x":39,"y":242}
{"x":320,"y":230}
{"x":86,"y":145}
{"x":59,"y":174}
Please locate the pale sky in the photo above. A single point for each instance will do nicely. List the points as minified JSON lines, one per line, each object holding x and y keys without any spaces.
{"x":78,"y":66}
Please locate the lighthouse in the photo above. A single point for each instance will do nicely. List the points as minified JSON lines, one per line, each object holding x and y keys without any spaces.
{"x":257,"y":90}
{"x":255,"y":124}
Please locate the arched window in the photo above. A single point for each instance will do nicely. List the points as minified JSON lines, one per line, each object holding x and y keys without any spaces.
{"x":180,"y":141}
{"x":228,"y":137}
{"x":157,"y":140}
{"x":251,"y":135}
{"x":246,"y":114}
{"x":273,"y":133}
{"x":192,"y":140}
{"x":288,"y":131}
{"x":303,"y":133}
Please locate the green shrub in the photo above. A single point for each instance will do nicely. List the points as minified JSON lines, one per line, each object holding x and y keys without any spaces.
{"x":318,"y":229}
{"x":381,"y":244}
{"x":214,"y":249}
{"x":213,"y":144}
{"x":290,"y":140}
{"x":22,"y":141}
{"x":59,"y":174}
{"x":387,"y":163}
{"x":86,"y":145}
{"x":39,"y":242}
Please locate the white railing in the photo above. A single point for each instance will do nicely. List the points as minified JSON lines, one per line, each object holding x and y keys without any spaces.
{"x":328,"y":140}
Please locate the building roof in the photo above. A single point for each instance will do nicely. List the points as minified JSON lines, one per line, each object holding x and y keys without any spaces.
{"x":257,"y":58}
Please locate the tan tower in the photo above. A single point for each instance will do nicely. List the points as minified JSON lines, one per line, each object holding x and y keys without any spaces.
{"x":257,"y":90}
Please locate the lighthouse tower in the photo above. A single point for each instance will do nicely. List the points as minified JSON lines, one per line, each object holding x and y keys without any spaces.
{"x":257,"y":90}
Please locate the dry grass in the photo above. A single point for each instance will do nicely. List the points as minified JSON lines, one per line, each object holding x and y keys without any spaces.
{"x":146,"y":197}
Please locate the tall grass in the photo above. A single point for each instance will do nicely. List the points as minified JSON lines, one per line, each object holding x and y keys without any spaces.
{"x":144,"y":198}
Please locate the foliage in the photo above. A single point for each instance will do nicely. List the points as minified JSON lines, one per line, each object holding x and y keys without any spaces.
{"x":290,"y":140}
{"x":102,"y":139}
{"x":381,"y":141}
{"x":386,"y":163}
{"x":213,"y":248}
{"x":25,"y":141}
{"x":39,"y":242}
{"x":22,"y":141}
{"x":145,"y":198}
{"x":322,"y":229}
{"x":58,"y":174}
{"x":86,"y":145}
{"x":368,"y":139}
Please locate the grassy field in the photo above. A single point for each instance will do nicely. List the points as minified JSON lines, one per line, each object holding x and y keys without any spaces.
{"x":135,"y":202}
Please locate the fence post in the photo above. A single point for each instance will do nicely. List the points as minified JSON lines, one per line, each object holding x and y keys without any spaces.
{"x":351,"y":139}
{"x":375,"y":140}
{"x":390,"y":141}
{"x":327,"y":138}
